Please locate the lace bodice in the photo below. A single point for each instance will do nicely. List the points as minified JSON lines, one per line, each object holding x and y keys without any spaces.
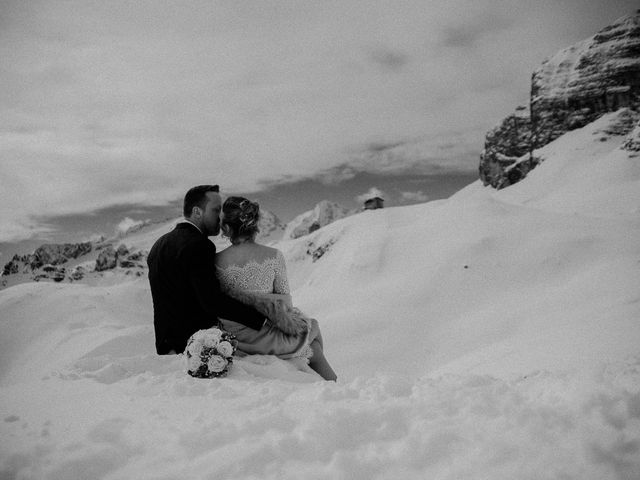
{"x":266,"y":276}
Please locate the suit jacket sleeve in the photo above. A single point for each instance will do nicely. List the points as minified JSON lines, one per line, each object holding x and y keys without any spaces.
{"x":201,"y":267}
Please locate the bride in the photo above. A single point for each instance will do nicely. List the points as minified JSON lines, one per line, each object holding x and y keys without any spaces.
{"x":249,"y":267}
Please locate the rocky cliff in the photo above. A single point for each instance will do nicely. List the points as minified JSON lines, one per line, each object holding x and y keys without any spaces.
{"x":571,"y":89}
{"x":71,"y":262}
{"x":49,"y":254}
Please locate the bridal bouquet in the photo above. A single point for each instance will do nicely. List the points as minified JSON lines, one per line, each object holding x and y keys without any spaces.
{"x":210,"y":353}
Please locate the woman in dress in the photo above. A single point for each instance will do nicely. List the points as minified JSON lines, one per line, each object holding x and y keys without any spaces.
{"x":256,"y":269}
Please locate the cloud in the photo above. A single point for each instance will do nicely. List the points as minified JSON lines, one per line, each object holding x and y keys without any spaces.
{"x":107,"y":103}
{"x":94,"y":237}
{"x":388,"y":59}
{"x":415,"y":197}
{"x":371,"y":193}
{"x":19,"y":229}
{"x":336,"y":175}
{"x":469,"y":31}
{"x":128,"y":225}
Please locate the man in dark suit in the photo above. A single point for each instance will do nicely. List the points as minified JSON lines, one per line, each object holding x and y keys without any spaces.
{"x":185,"y":291}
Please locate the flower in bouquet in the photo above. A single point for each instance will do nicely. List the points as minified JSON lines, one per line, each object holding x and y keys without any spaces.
{"x":216,"y":363}
{"x":225,"y":349}
{"x":210,"y":353}
{"x":212,"y":338}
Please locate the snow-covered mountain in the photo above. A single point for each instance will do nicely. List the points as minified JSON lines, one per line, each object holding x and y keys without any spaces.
{"x":124,"y":253}
{"x":490,"y":335}
{"x":569,"y":90}
{"x":324,"y":213}
{"x":271,"y":228}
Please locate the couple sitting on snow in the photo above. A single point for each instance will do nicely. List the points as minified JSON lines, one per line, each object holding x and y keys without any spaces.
{"x":243,"y":289}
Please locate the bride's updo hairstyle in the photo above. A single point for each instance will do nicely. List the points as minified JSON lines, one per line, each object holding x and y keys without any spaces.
{"x":240,"y":219}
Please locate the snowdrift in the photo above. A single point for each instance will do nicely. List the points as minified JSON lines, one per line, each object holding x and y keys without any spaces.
{"x":491,"y":335}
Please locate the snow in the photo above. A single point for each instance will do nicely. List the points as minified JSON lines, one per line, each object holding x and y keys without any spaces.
{"x":321,"y":215}
{"x":490,"y":335}
{"x":595,"y":177}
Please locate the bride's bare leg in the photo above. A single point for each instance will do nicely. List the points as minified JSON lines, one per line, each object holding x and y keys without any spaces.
{"x":319,"y":363}
{"x":319,"y":339}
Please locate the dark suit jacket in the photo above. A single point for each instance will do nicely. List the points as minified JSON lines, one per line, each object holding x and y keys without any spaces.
{"x":185,"y":291}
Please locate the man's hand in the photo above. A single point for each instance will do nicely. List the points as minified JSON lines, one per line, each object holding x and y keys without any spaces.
{"x":277,"y":310}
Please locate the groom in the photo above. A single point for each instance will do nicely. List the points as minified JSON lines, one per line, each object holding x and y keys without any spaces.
{"x":184,"y":288}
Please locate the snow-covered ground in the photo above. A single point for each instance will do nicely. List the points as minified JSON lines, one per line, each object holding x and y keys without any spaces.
{"x":490,"y":335}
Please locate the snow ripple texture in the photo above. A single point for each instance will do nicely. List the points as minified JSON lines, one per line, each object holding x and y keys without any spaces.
{"x":541,"y":426}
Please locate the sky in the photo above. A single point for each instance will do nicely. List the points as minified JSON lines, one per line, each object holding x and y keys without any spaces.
{"x":117,"y":106}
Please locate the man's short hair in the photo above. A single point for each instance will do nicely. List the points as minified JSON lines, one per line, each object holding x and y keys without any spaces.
{"x":197,"y":197}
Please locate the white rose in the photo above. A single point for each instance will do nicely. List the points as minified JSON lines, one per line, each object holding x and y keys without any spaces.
{"x":194,"y":363}
{"x":225,"y":349}
{"x":213,"y":337}
{"x":195,"y":347}
{"x":217,"y":363}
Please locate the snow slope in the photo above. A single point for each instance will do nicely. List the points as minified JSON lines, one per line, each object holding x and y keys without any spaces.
{"x":324,"y":213}
{"x":491,"y":335}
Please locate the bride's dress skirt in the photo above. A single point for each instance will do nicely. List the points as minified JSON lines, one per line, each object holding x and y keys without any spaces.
{"x":271,"y":341}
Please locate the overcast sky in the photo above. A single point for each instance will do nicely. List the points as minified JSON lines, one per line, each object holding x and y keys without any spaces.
{"x":112,"y":102}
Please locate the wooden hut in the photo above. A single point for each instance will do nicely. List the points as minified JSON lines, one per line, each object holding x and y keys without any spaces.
{"x":374,"y":203}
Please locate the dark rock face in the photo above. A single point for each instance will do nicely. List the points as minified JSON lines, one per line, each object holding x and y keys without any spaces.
{"x":110,"y":258}
{"x":46,"y":262}
{"x":56,"y":254}
{"x":504,"y":145}
{"x":138,"y":256}
{"x":59,"y":274}
{"x":632,"y":143}
{"x":107,"y":259}
{"x":122,"y":251}
{"x":580,"y":83}
{"x":50,"y":254}
{"x":132,"y":260}
{"x":77,"y":273}
{"x":570,"y":90}
{"x":317,"y":251}
{"x":12,"y":266}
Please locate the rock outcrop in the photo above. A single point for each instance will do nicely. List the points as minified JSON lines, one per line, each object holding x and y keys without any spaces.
{"x":110,"y":258}
{"x":570,"y":89}
{"x":77,"y":273}
{"x":107,"y":259}
{"x":323,"y":213}
{"x":504,"y":145}
{"x":632,"y":143}
{"x":56,"y":254}
{"x":56,"y":262}
{"x":49,"y":254}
